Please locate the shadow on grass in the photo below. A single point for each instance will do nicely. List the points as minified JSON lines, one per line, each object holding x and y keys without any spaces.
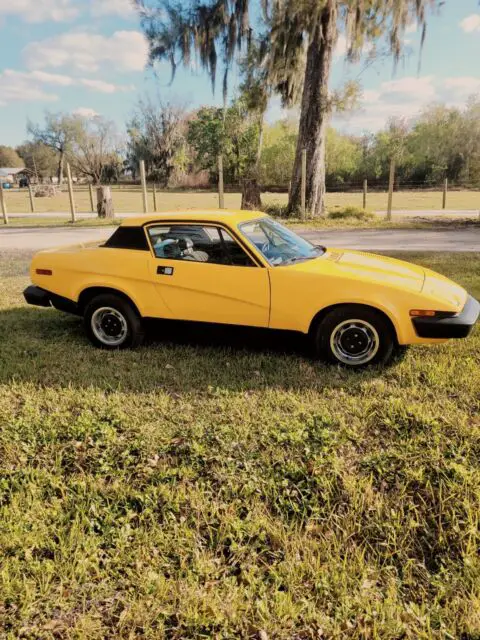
{"x":48,"y":348}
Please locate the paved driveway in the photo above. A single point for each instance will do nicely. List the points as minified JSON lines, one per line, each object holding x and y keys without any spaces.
{"x":398,"y":239}
{"x":368,"y":240}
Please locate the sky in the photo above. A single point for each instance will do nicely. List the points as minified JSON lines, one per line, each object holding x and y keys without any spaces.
{"x":89,"y":57}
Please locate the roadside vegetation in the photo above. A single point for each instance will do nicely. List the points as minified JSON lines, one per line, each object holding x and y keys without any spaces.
{"x":198,"y":488}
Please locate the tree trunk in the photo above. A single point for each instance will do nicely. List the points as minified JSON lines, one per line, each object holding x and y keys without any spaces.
{"x":315,"y":113}
{"x":251,"y":195}
{"x":251,"y":192}
{"x":261,"y":131}
{"x":61,"y":163}
{"x":105,"y":203}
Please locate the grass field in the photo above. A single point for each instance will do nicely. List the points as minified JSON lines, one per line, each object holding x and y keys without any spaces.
{"x":127,"y":201}
{"x":194,"y":489}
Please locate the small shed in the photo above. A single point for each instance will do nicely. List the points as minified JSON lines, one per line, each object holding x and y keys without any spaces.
{"x":13,"y":175}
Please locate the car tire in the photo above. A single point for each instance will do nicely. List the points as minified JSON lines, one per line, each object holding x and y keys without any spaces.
{"x":112,"y":323}
{"x":355,"y":337}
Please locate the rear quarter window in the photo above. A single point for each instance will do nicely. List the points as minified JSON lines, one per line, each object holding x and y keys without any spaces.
{"x":128,"y":238}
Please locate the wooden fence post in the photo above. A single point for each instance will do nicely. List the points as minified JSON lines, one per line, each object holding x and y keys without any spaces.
{"x":32,"y":203}
{"x":221,"y":188}
{"x":154,"y":198}
{"x":391,"y":185}
{"x":90,"y":189}
{"x":445,"y":191}
{"x":144,"y":186}
{"x":4,"y":204}
{"x":70,"y":193}
{"x":365,"y":192}
{"x":304,"y":184}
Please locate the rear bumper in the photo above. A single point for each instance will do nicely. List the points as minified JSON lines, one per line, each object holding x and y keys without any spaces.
{"x":459,"y":326}
{"x":41,"y":298}
{"x":37,"y":297}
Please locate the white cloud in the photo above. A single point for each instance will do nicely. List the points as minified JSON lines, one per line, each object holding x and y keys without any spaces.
{"x":471,"y":24}
{"x":85,"y":112}
{"x":456,"y":91}
{"x":50,"y":78}
{"x":402,"y":98}
{"x":18,"y":87}
{"x":29,"y":86}
{"x":87,"y":52}
{"x":408,"y":90}
{"x":39,"y":10}
{"x":122,"y":8}
{"x":38,"y":77}
{"x":103,"y":87}
{"x":406,"y":98}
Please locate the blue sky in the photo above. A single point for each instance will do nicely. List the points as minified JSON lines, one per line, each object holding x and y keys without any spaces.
{"x":88,"y":56}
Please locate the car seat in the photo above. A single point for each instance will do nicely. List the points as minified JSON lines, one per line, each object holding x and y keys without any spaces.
{"x":188,"y":253}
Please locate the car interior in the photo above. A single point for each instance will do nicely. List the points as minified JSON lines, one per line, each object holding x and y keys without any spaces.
{"x":194,"y":243}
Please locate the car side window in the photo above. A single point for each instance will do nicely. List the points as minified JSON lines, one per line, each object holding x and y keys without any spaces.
{"x":236,"y":255}
{"x":190,"y":243}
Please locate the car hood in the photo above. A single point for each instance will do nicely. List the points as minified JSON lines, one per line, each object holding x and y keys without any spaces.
{"x":367,"y":266}
{"x":441,"y":288}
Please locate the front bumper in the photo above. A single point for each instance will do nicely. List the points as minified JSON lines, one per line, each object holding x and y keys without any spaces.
{"x":459,"y":326}
{"x":41,"y":298}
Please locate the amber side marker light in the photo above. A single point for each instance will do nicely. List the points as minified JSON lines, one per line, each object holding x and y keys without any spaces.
{"x":421,"y":313}
{"x":44,"y":272}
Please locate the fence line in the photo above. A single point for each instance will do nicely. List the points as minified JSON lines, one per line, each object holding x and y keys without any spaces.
{"x":79,"y":198}
{"x":266,"y":188}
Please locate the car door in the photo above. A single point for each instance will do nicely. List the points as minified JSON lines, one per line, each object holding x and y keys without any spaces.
{"x":202,"y":273}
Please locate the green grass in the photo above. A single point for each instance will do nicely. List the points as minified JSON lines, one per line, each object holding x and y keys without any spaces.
{"x":192,"y":489}
{"x":130,"y":200}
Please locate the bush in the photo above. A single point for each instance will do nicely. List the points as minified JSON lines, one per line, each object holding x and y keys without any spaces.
{"x":347,"y":213}
{"x":277,"y":210}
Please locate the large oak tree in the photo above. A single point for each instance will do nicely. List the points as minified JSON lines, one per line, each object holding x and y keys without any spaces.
{"x":300,"y":38}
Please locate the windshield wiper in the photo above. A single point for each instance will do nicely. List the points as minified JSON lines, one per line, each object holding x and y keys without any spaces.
{"x":298,"y":259}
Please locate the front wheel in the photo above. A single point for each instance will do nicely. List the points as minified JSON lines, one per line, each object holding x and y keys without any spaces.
{"x":111,"y":322}
{"x":355,"y":337}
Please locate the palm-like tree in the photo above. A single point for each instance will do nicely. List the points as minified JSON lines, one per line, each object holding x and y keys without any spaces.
{"x":300,"y":38}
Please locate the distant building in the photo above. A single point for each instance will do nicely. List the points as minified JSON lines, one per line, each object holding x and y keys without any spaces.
{"x":15,"y":175}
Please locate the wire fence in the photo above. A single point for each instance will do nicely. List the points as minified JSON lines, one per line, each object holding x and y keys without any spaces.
{"x":144,"y":197}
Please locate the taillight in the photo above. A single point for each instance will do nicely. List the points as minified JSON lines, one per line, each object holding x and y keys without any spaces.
{"x":44,"y":272}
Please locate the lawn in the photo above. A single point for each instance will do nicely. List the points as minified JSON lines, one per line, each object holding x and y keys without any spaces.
{"x":195,"y":489}
{"x":130,"y":200}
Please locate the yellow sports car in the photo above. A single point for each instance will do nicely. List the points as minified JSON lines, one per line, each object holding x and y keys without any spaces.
{"x":247,"y":269}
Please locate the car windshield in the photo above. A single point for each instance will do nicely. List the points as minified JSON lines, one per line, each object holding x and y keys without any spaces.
{"x":279,"y":245}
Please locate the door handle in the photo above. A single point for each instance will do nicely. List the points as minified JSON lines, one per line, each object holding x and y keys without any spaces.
{"x":165,"y":271}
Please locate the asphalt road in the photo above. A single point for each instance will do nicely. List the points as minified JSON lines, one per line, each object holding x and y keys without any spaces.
{"x":34,"y":239}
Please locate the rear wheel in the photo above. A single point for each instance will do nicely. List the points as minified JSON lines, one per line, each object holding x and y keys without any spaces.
{"x":355,"y":337}
{"x":111,"y":322}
